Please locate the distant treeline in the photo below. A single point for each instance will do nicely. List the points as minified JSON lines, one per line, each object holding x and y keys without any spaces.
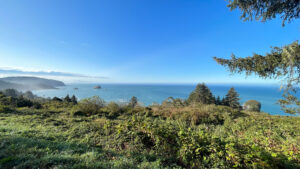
{"x":201,"y":95}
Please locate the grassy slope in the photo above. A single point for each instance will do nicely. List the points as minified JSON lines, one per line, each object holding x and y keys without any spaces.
{"x":53,"y":138}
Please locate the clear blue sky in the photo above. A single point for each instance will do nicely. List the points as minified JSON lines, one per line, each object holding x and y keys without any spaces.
{"x":133,"y":41}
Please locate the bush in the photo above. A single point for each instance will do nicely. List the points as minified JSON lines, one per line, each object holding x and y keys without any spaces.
{"x":198,"y":113}
{"x":171,"y":102}
{"x":91,"y":105}
{"x":4,"y":109}
{"x":252,"y":105}
{"x":113,"y":109}
{"x":37,"y":105}
{"x":22,"y":102}
{"x":76,"y":112}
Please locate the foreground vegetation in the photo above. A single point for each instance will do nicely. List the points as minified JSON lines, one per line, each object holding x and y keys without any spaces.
{"x":61,"y":133}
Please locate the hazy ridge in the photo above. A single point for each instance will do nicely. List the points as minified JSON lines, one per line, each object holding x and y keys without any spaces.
{"x":29,"y":83}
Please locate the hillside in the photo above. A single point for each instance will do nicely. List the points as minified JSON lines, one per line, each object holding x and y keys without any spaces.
{"x":62,"y":133}
{"x":29,"y":83}
{"x":8,"y":85}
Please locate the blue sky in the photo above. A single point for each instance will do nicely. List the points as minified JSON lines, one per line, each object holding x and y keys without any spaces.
{"x":132,"y":41}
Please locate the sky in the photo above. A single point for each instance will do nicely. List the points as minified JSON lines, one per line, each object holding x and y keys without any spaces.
{"x":131,"y":41}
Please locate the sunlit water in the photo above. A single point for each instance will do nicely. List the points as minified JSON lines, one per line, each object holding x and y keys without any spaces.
{"x":148,"y":94}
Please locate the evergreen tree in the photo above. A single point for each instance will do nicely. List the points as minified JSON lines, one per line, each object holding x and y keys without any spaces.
{"x":223,"y":102}
{"x":74,"y":99}
{"x":67,"y":99}
{"x":281,"y":63}
{"x":22,"y":102}
{"x":201,"y":94}
{"x":218,"y":101}
{"x":265,"y":10}
{"x":133,"y":102}
{"x":57,"y":99}
{"x":232,"y":99}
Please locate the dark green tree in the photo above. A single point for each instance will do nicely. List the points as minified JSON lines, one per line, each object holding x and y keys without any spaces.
{"x":218,"y":101}
{"x":264,"y":10}
{"x":67,"y":99}
{"x":223,"y":102}
{"x":281,"y":63}
{"x":133,"y":102}
{"x":22,"y":102}
{"x":232,"y":99}
{"x":74,"y":99}
{"x":57,"y":99}
{"x":201,"y":94}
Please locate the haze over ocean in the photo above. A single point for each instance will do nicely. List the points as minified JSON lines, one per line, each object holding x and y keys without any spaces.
{"x":156,"y":93}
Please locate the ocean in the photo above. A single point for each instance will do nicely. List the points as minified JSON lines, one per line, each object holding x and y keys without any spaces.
{"x":156,"y":93}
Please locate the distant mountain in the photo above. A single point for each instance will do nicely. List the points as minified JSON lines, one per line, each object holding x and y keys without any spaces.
{"x":29,"y":83}
{"x":8,"y":85}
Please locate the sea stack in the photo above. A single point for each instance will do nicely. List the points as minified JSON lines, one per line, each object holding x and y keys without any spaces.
{"x":97,"y":87}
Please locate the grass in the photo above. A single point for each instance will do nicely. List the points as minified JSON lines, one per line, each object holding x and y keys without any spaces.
{"x":201,"y":136}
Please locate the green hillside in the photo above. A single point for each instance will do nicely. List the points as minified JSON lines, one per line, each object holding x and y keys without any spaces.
{"x":61,"y":133}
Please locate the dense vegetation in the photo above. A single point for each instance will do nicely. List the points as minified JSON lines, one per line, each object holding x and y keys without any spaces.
{"x":282,"y":63}
{"x":64,"y":133}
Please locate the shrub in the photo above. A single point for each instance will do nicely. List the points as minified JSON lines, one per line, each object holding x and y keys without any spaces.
{"x":198,"y":113}
{"x":113,"y":109}
{"x":4,"y":109}
{"x":252,"y":105}
{"x":37,"y":105}
{"x":91,"y":105}
{"x":76,"y":112}
{"x":22,"y":102}
{"x":171,"y":102}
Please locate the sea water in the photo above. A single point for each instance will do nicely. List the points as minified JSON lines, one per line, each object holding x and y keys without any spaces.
{"x":148,"y":94}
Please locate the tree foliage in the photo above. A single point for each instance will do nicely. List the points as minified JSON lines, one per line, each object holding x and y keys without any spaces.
{"x":281,"y":63}
{"x":264,"y":10}
{"x":133,"y":102}
{"x":232,"y":99}
{"x":201,"y":94}
{"x":67,"y":99}
{"x":74,"y":99}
